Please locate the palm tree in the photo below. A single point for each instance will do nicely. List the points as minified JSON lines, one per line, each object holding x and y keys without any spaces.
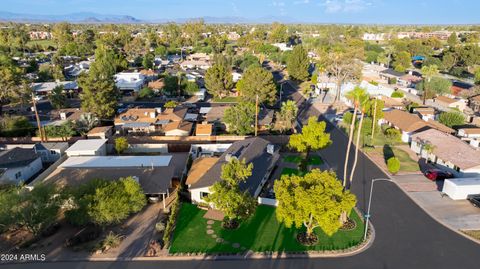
{"x":428,"y":72}
{"x":86,"y":122}
{"x":363,"y":103}
{"x":355,"y":96}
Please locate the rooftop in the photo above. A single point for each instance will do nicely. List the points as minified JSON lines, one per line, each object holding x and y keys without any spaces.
{"x":17,"y":157}
{"x":203,"y":129}
{"x":405,"y":121}
{"x":200,"y":166}
{"x":89,"y":144}
{"x":116,"y":161}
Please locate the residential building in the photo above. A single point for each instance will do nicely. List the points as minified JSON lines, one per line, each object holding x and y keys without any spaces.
{"x":448,"y":102}
{"x":149,"y":74}
{"x":256,"y":151}
{"x":18,"y":165}
{"x":148,"y":120}
{"x":50,"y":152}
{"x":44,"y":88}
{"x":447,"y":152}
{"x":426,"y":113}
{"x":101,"y":132}
{"x":469,"y":133}
{"x":374,"y":37}
{"x":129,"y":82}
{"x":89,"y":147}
{"x":178,"y":128}
{"x":204,"y":129}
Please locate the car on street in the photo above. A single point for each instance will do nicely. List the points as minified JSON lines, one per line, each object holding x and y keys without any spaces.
{"x":474,"y":199}
{"x":437,"y":174}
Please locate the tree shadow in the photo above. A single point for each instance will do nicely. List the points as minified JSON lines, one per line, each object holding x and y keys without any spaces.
{"x":387,"y":152}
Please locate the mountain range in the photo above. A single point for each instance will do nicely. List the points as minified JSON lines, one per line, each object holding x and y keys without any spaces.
{"x":91,"y":17}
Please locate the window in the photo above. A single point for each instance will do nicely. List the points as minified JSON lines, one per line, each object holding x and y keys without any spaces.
{"x":18,"y":175}
{"x":53,"y":152}
{"x":203,"y":194}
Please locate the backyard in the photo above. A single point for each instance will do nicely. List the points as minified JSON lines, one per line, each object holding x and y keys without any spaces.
{"x":261,"y":232}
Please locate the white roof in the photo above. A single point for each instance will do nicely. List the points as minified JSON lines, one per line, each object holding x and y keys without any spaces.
{"x":462,"y":181}
{"x":87,"y":145}
{"x":205,"y":110}
{"x":49,"y":86}
{"x":116,"y":161}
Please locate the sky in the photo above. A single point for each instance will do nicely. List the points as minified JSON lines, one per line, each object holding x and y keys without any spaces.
{"x":311,"y":11}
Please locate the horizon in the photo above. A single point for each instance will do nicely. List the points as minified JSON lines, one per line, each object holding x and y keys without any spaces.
{"x":363,"y":12}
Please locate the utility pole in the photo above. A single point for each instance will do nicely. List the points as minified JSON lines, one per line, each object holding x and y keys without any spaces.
{"x":256,"y":115}
{"x":38,"y":118}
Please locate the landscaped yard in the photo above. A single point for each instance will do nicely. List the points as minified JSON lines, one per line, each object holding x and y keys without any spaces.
{"x":291,"y":171}
{"x":43,"y":43}
{"x":261,"y":232}
{"x":406,"y":163}
{"x":313,"y":160}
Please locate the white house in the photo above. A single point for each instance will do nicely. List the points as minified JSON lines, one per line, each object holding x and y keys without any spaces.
{"x":51,"y":152}
{"x":469,"y":133}
{"x":129,"y":82}
{"x":44,"y":88}
{"x":90,"y":147}
{"x":447,"y":152}
{"x":19,"y":165}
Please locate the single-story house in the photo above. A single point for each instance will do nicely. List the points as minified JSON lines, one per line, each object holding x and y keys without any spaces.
{"x":156,"y":85}
{"x":89,"y":147}
{"x":103,"y":132}
{"x":129,"y":81}
{"x":448,"y":102}
{"x":389,"y":102}
{"x":148,"y":120}
{"x":390,"y":74}
{"x":447,"y":152}
{"x":18,"y":165}
{"x":426,"y":113}
{"x":149,"y":74}
{"x":178,"y":128}
{"x":196,"y":64}
{"x":256,"y":151}
{"x":50,"y":152}
{"x":469,"y":133}
{"x":44,"y":88}
{"x":214,"y":114}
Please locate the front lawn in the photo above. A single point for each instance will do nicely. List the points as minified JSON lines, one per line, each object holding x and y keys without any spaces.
{"x":261,"y":232}
{"x":291,"y":171}
{"x":313,"y":160}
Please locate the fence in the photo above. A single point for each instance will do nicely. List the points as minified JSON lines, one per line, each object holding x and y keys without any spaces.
{"x":48,"y":171}
{"x":267,"y":201}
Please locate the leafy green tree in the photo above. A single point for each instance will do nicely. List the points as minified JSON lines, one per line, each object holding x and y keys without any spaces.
{"x":436,"y":86}
{"x":452,"y":40}
{"x":57,"y":97}
{"x":451,"y":119}
{"x":64,"y":131}
{"x":147,"y":61}
{"x":10,"y":79}
{"x":15,"y":126}
{"x":287,"y":115}
{"x":448,"y":61}
{"x":298,"y":63}
{"x":218,"y":80}
{"x":240,"y":119}
{"x":161,"y":51}
{"x":39,"y":208}
{"x":86,"y":122}
{"x":226,"y":195}
{"x":374,"y":109}
{"x":146,"y":93}
{"x":121,"y":144}
{"x":314,"y":200}
{"x":170,"y":104}
{"x":312,"y":137}
{"x":402,"y":61}
{"x":258,"y":81}
{"x":246,"y":61}
{"x":9,"y":199}
{"x":278,"y":33}
{"x":393,"y":165}
{"x":341,"y":64}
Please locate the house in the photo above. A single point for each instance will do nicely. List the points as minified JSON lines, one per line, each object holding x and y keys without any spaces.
{"x":195,"y":64}
{"x":204,"y":129}
{"x":199,"y":168}
{"x":256,"y":151}
{"x":90,"y":147}
{"x":129,"y":82}
{"x":448,"y":102}
{"x":199,"y":56}
{"x":148,"y":120}
{"x":45,"y":88}
{"x":50,"y":152}
{"x":149,"y":74}
{"x":409,"y":80}
{"x":178,"y":128}
{"x":389,"y":102}
{"x":426,"y":113}
{"x":236,"y":76}
{"x":405,"y":122}
{"x":474,"y":103}
{"x":391,"y":75}
{"x":447,"y":152}
{"x":18,"y":165}
{"x":157,"y":175}
{"x":214,"y":114}
{"x":102,"y":132}
{"x":469,"y":133}
{"x":75,"y":70}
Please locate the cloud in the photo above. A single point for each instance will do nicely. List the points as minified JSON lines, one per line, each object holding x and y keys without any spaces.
{"x":281,"y":6}
{"x":346,"y":6}
{"x":299,"y":2}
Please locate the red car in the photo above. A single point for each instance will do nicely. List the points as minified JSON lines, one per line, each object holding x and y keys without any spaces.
{"x":437,"y":174}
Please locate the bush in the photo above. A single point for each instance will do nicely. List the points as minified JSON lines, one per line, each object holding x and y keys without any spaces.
{"x":392,"y":81}
{"x":112,"y":240}
{"x":373,"y":83}
{"x":393,"y":134}
{"x":397,"y":94}
{"x":160,"y":227}
{"x":146,"y":93}
{"x":347,"y":117}
{"x":393,"y":165}
{"x":171,"y":222}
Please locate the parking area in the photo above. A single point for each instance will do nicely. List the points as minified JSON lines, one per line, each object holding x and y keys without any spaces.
{"x":458,"y":214}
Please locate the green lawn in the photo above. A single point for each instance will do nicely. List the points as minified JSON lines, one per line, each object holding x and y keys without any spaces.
{"x":43,"y":43}
{"x":314,"y":160}
{"x":261,"y":232}
{"x":230,"y":99}
{"x":291,"y":171}
{"x":406,"y":163}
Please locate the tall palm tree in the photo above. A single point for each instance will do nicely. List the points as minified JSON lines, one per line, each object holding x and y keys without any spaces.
{"x":428,"y":72}
{"x":363,"y":100}
{"x":355,"y":96}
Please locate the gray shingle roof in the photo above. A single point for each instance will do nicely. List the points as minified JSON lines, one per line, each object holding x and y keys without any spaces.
{"x":253,"y":150}
{"x":17,"y":157}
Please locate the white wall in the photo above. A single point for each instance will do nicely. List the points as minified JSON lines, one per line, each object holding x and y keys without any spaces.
{"x":195,"y":194}
{"x":26,"y":171}
{"x":267,"y":201}
{"x":177,"y":133}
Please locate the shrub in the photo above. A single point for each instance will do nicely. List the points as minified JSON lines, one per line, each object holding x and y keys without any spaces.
{"x":373,"y":83}
{"x":146,"y":93}
{"x":112,"y":240}
{"x":397,"y":94}
{"x":171,"y":222}
{"x":393,"y":165}
{"x":347,"y":117}
{"x":392,"y":81}
{"x":160,"y":227}
{"x":392,"y":134}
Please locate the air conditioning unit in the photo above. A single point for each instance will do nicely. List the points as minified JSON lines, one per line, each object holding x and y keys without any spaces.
{"x":270,"y":149}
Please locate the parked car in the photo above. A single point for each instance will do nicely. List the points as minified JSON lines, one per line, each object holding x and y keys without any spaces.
{"x":474,"y":199}
{"x":437,"y":174}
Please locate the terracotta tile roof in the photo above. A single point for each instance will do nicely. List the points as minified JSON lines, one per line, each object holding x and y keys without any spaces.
{"x":200,"y":166}
{"x":101,"y":129}
{"x":441,"y":127}
{"x":204,"y":129}
{"x":405,"y":121}
{"x":178,"y":125}
{"x":449,"y":148}
{"x":425,"y":110}
{"x":446,"y":100}
{"x":471,"y":131}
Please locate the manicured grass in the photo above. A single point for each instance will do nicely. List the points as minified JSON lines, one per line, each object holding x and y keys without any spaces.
{"x":261,"y":232}
{"x":406,"y":163}
{"x":43,"y":43}
{"x":291,"y":171}
{"x":314,"y":160}
{"x":230,"y":99}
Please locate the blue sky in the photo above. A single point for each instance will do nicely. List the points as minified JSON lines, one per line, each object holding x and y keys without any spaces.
{"x":321,"y":11}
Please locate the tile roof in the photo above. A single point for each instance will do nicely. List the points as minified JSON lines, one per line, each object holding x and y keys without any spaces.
{"x":200,"y":166}
{"x":179,"y":125}
{"x":445,"y":99}
{"x":405,"y":121}
{"x":100,"y":129}
{"x":203,"y":129}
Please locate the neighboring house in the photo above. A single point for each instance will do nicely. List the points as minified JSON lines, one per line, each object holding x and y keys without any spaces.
{"x":409,"y":80}
{"x":156,"y":85}
{"x":102,"y":132}
{"x":447,"y":152}
{"x":149,"y":74}
{"x":236,"y":76}
{"x":426,"y":113}
{"x":44,"y":88}
{"x":61,"y":116}
{"x":448,"y":102}
{"x":18,"y":165}
{"x":148,"y":120}
{"x":90,"y":147}
{"x":257,"y":151}
{"x":214,"y":114}
{"x":195,"y":64}
{"x":203,"y":129}
{"x":390,"y":75}
{"x":469,"y":133}
{"x":50,"y":152}
{"x":76,"y":70}
{"x":474,"y":103}
{"x":129,"y":82}
{"x":389,"y":102}
{"x":178,"y":128}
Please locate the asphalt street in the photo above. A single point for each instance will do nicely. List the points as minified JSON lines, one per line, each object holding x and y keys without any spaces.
{"x":406,"y":237}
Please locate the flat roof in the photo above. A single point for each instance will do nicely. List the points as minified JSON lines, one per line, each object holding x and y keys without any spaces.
{"x":89,"y":144}
{"x":116,"y":161}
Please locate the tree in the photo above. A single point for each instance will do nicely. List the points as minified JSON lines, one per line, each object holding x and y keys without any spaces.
{"x":170,"y":104}
{"x":393,"y":165}
{"x":10,"y":78}
{"x":449,"y":60}
{"x":375,"y":111}
{"x":9,"y":199}
{"x":86,"y":122}
{"x":287,"y":115}
{"x":314,"y":200}
{"x":64,"y":131}
{"x":451,"y":119}
{"x":57,"y":97}
{"x":312,"y":137}
{"x":342,"y":66}
{"x":240,"y":119}
{"x":258,"y":81}
{"x":39,"y":208}
{"x":428,"y":72}
{"x":278,"y":33}
{"x":219,"y":80}
{"x":191,"y":88}
{"x":452,"y":40}
{"x":147,"y":61}
{"x":402,"y":61}
{"x":121,"y":144}
{"x":226,"y":195}
{"x":15,"y":126}
{"x":298,"y":64}
{"x":146,"y":93}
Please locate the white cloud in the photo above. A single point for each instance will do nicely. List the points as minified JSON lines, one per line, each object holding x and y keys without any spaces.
{"x":347,"y":6}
